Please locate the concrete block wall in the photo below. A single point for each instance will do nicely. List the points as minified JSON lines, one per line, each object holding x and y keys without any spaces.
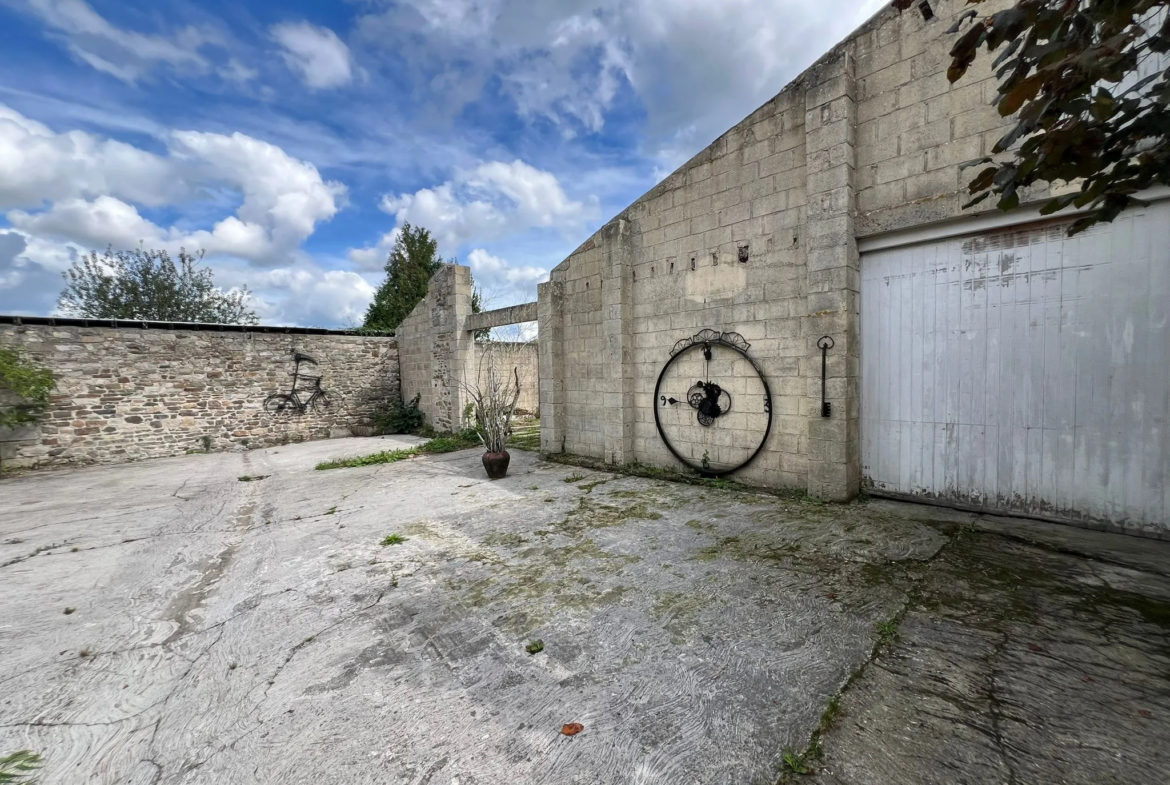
{"x":435,"y":348}
{"x":128,"y":393}
{"x":868,"y":140}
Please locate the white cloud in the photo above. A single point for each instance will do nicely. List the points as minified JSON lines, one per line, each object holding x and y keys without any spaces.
{"x":38,"y":165}
{"x":697,"y":66}
{"x":94,"y":185}
{"x":374,"y":257}
{"x":305,"y":294}
{"x":315,"y":53}
{"x":284,"y":198}
{"x":104,"y":221}
{"x":492,"y":272}
{"x":235,"y":71}
{"x":125,"y":54}
{"x":490,"y":201}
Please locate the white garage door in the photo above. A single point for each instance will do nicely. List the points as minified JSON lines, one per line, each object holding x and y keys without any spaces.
{"x":1023,"y":371}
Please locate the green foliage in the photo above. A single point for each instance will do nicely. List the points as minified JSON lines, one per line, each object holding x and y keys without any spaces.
{"x":31,"y":383}
{"x":18,"y":768}
{"x":440,"y":444}
{"x":887,"y":631}
{"x":393,"y":539}
{"x":534,"y":647}
{"x":409,"y":268}
{"x":400,"y":417}
{"x":1069,"y":73}
{"x":143,"y":284}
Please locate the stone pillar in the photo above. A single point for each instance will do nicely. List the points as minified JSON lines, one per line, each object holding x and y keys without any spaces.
{"x":550,"y":321}
{"x":435,"y":349}
{"x":834,"y":278}
{"x":617,"y":388}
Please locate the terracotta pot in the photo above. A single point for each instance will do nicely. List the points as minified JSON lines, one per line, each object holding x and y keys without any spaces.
{"x":496,"y":464}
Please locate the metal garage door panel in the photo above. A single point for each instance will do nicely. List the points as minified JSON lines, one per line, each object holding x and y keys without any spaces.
{"x":1023,"y":371}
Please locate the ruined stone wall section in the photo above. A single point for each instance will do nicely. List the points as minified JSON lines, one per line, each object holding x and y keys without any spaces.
{"x":127,"y":394}
{"x":435,"y":348}
{"x":867,"y":140}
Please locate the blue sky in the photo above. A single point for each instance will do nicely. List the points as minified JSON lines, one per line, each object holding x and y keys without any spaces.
{"x":290,"y":139}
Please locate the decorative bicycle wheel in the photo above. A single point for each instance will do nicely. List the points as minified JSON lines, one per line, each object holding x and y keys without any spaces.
{"x":320,"y":402}
{"x":720,"y":422}
{"x":279,"y":403}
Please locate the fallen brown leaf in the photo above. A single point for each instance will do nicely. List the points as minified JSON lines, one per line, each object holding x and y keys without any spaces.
{"x":572,"y":728}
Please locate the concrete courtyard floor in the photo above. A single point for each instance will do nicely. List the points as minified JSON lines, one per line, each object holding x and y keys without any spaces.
{"x":171,"y":622}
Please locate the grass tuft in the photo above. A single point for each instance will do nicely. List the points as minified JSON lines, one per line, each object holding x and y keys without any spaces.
{"x":393,"y":539}
{"x":436,"y":446}
{"x":534,"y":647}
{"x":18,"y":767}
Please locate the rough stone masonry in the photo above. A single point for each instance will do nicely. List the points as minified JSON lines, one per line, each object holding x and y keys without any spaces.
{"x":131,"y":392}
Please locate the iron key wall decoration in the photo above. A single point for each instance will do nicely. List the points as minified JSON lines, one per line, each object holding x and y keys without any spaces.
{"x":712,"y":404}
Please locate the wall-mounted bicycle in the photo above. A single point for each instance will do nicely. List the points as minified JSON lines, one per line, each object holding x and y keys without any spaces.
{"x":295,"y":400}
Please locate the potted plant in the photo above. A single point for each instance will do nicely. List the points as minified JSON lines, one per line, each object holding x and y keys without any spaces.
{"x":493,"y":401}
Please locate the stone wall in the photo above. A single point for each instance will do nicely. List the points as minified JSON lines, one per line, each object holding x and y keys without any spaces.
{"x":757,"y":234}
{"x":128,"y":393}
{"x":435,"y":348}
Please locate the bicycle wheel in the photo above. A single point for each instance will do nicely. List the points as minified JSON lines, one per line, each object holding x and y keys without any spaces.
{"x":279,"y":403}
{"x":320,"y":401}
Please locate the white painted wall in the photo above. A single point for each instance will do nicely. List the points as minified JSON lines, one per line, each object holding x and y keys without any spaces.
{"x":1024,"y":371}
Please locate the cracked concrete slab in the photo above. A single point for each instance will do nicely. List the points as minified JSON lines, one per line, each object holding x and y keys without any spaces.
{"x":221,"y":630}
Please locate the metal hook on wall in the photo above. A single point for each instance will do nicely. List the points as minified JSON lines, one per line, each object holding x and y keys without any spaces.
{"x":825,"y":344}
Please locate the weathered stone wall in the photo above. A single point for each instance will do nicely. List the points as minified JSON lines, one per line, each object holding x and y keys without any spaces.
{"x":435,"y":348}
{"x":126,"y":393}
{"x":504,"y":356}
{"x":867,"y":140}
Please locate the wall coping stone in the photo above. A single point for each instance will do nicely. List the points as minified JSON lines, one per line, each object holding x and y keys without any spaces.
{"x":58,"y":321}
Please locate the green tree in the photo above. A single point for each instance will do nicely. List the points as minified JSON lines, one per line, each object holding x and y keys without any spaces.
{"x":1089,"y":85}
{"x":25,"y":387}
{"x":148,"y":285}
{"x":412,"y":262}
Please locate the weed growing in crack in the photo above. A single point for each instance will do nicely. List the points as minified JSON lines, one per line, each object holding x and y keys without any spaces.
{"x":18,"y":767}
{"x":253,"y":477}
{"x":534,"y":647}
{"x":801,"y":762}
{"x":393,"y":539}
{"x":887,"y":632}
{"x":331,"y":511}
{"x":575,"y":478}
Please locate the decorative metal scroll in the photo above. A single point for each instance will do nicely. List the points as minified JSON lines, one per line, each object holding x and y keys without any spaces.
{"x":734,"y":340}
{"x":305,"y":393}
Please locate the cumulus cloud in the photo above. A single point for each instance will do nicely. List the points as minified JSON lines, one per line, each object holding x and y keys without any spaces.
{"x":38,"y":165}
{"x":490,"y":201}
{"x":494,"y":272}
{"x":374,"y":257}
{"x":94,"y":186}
{"x":304,"y":294}
{"x":124,"y":54}
{"x":25,"y":286}
{"x":316,"y":54}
